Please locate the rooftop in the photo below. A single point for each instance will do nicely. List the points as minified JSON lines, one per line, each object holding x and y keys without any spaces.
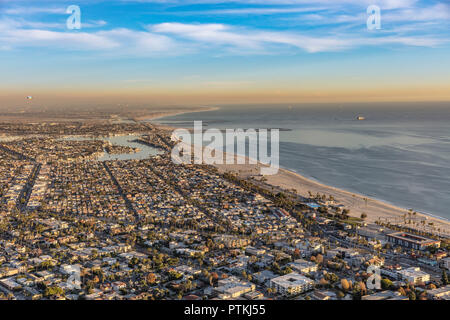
{"x":291,"y":280}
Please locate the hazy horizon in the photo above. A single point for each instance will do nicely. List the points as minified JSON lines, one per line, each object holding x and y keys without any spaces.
{"x":186,"y":52}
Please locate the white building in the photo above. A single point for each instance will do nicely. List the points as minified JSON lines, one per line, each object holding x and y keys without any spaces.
{"x":303,"y":266}
{"x":414,"y":275}
{"x":291,"y":284}
{"x":254,"y":251}
{"x":233,"y":287}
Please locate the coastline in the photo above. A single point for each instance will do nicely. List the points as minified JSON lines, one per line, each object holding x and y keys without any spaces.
{"x":162,"y":114}
{"x":375,"y":209}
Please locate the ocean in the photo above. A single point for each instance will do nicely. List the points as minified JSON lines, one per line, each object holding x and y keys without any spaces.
{"x":399,"y":154}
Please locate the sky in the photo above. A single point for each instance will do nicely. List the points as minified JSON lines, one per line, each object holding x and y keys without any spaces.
{"x":218,"y":51}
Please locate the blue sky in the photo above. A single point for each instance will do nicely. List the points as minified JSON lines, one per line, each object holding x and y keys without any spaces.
{"x":285,"y":49}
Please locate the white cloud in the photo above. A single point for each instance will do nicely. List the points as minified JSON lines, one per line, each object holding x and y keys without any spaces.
{"x":34,"y":10}
{"x":14,"y":35}
{"x":179,"y":38}
{"x":238,"y":38}
{"x":438,"y":11}
{"x":94,"y":24}
{"x":219,"y":34}
{"x":385,"y":4}
{"x":257,"y":11}
{"x":408,"y":41}
{"x":67,"y":40}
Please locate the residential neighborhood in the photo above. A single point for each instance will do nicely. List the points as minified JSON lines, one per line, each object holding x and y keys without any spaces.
{"x":73,"y":227}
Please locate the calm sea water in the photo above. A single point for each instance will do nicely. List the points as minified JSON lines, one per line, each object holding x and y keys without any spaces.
{"x":400,"y":153}
{"x":126,"y":141}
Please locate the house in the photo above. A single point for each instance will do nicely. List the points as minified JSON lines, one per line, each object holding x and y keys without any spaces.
{"x":390,"y":272}
{"x":323,"y":295}
{"x":254,"y":295}
{"x":233,"y":287}
{"x":385,"y":295}
{"x":119,"y":285}
{"x":254,"y":251}
{"x":303,"y":266}
{"x":263,"y":276}
{"x":442,"y":293}
{"x":10,"y":284}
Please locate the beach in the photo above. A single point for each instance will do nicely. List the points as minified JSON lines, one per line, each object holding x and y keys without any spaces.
{"x":375,"y":209}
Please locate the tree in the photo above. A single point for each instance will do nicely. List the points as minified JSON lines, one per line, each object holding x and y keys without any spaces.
{"x":151,"y":278}
{"x":53,"y":291}
{"x":287,"y":270}
{"x":356,"y":293}
{"x":214,"y":277}
{"x":363,"y":288}
{"x":345,"y":285}
{"x":444,"y":278}
{"x":386,"y":284}
{"x":432,"y":286}
{"x":319,"y":259}
{"x":323,"y":282}
{"x":363,"y":215}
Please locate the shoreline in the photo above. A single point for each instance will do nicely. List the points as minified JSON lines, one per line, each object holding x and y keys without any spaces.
{"x":368,"y":197}
{"x":162,"y":114}
{"x":375,"y":209}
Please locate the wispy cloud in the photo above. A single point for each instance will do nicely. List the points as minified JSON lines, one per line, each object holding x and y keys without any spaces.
{"x":180,"y":38}
{"x":54,"y":39}
{"x":33,"y":10}
{"x":385,"y":4}
{"x":10,"y":23}
{"x":257,"y":11}
{"x":18,"y":30}
{"x":239,"y":38}
{"x":225,"y":35}
{"x":118,"y":40}
{"x":439,"y":11}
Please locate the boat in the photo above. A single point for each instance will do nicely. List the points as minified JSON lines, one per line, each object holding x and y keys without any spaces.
{"x":360,"y":118}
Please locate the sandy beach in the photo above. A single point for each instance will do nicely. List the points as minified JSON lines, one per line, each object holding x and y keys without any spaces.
{"x":376,"y":210}
{"x":356,"y":203}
